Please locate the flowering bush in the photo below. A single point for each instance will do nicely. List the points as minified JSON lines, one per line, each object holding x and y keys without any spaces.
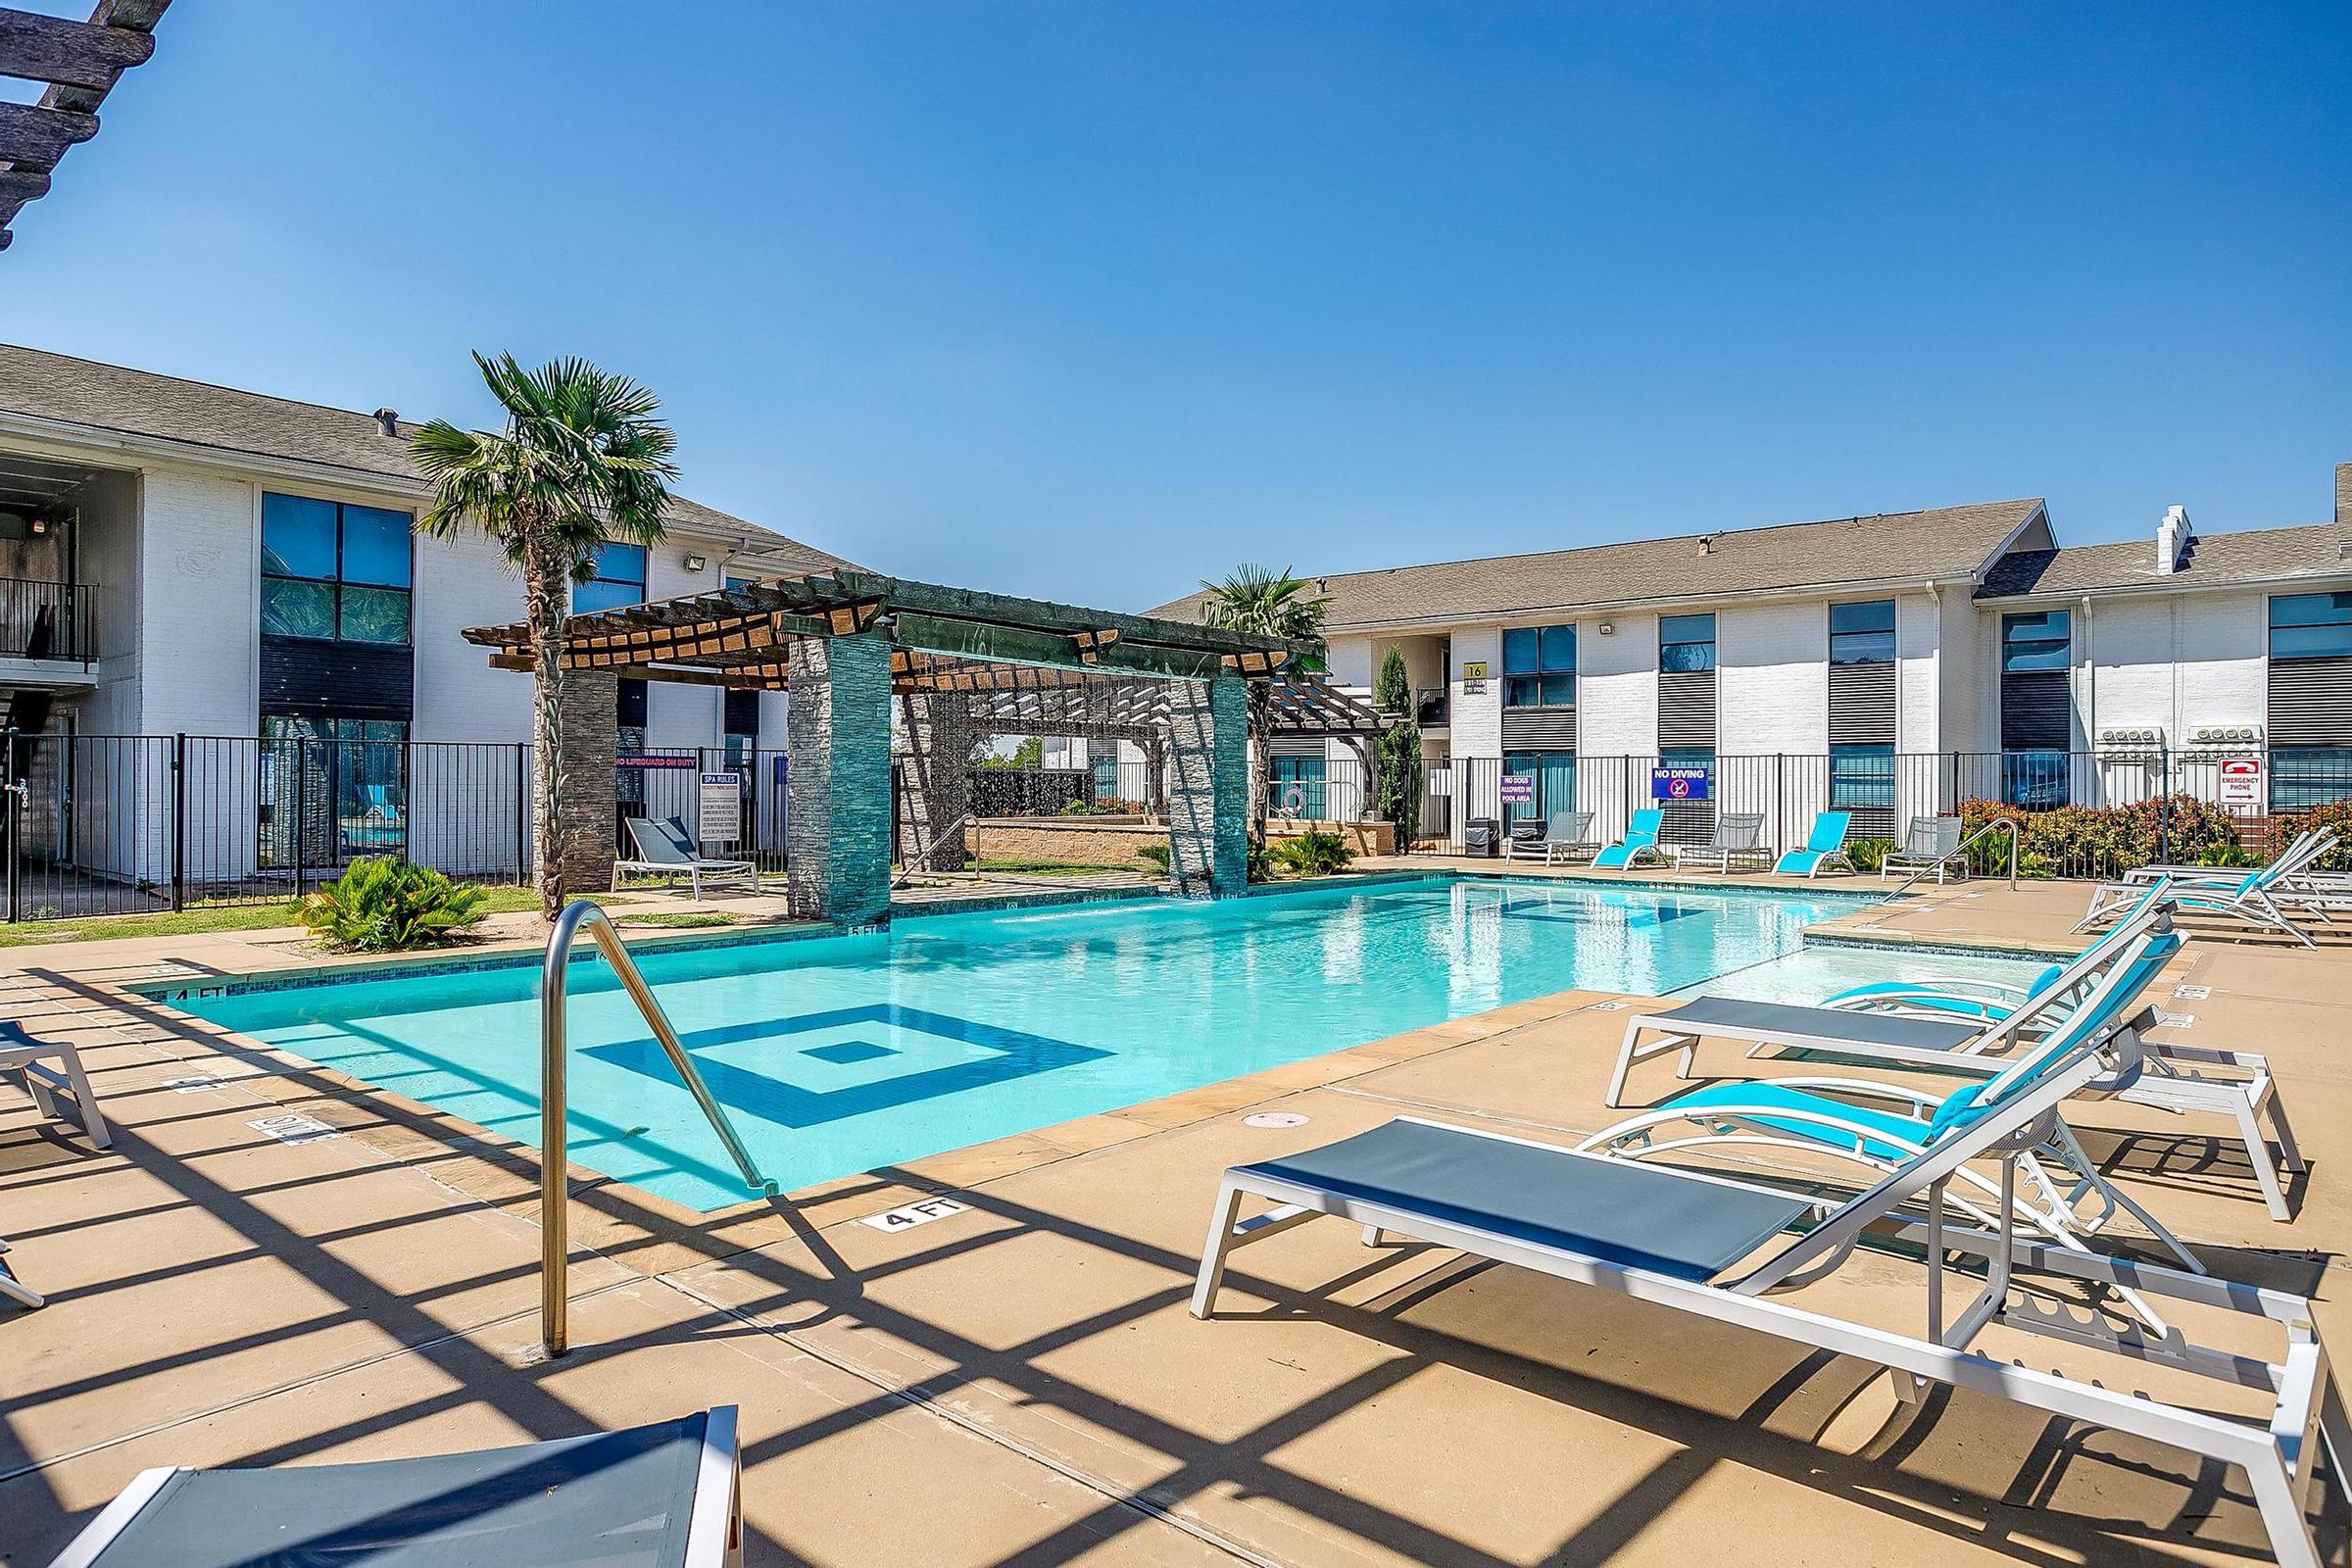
{"x":2336,"y":814}
{"x":2101,"y":840}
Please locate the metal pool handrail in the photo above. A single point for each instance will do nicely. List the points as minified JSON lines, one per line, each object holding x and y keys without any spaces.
{"x":554,"y":1194}
{"x":2006,"y":823}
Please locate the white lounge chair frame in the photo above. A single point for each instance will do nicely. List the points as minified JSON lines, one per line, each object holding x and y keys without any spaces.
{"x":1917,"y":859}
{"x":2175,"y":1078}
{"x":714,"y":1524}
{"x":694,"y":867}
{"x":2252,"y":897}
{"x":1579,"y":843}
{"x":2279,"y":1459}
{"x":27,"y":1057}
{"x":2302,"y":885}
{"x":1719,"y":854}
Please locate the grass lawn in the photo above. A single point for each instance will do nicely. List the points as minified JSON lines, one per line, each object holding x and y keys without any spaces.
{"x":217,"y":918}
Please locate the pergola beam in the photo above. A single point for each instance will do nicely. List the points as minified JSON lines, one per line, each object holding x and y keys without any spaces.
{"x":79,"y":63}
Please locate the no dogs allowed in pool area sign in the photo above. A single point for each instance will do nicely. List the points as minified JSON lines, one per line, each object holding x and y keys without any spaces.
{"x":1677,"y":783}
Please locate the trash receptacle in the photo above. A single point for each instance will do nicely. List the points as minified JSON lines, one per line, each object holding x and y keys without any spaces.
{"x":1480,"y":835}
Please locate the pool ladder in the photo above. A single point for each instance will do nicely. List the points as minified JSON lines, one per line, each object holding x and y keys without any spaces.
{"x":555,"y":1194}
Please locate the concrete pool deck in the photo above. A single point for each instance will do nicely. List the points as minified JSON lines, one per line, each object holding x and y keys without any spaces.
{"x":1019,"y":1384}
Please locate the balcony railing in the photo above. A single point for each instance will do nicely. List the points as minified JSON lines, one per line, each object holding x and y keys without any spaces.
{"x":1430,"y":708}
{"x":47,"y":620}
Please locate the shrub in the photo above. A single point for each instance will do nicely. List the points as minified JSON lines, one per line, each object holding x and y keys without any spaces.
{"x":1314,"y":854}
{"x":2100,"y":841}
{"x":1261,"y":864}
{"x":384,"y":905}
{"x":1867,"y":853}
{"x":2336,"y":814}
{"x":1154,"y":855}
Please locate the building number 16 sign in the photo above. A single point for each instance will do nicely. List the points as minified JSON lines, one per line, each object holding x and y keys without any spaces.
{"x":1677,"y":783}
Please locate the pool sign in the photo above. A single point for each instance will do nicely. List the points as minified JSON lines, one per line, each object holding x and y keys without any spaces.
{"x":1677,"y":783}
{"x":721,"y":808}
{"x":2242,"y":781}
{"x":1518,"y":789}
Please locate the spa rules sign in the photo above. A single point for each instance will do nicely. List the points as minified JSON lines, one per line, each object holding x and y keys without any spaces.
{"x":719,"y":810}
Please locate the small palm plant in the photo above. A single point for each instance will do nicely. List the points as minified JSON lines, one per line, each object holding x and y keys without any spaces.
{"x":1266,"y":604}
{"x":384,"y":905}
{"x":582,"y":460}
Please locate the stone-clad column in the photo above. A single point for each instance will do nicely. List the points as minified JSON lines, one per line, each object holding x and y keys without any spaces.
{"x":587,"y":820}
{"x":1208,"y":764}
{"x":837,"y":728}
{"x":939,"y":781}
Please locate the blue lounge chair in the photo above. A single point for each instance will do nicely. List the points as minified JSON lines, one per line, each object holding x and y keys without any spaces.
{"x":1983,"y":1000}
{"x":2253,"y":898}
{"x":1720,"y":1246}
{"x":1640,"y":838}
{"x":1825,"y":847}
{"x":1880,"y":1125}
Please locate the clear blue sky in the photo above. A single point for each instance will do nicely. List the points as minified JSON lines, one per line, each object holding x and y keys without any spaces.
{"x":1091,"y":298}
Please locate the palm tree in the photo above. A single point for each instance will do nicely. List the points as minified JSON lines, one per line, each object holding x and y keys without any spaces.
{"x":583,"y":459}
{"x":1265,"y":604}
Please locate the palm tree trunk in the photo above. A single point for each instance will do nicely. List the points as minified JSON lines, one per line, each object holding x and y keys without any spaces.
{"x":1261,"y":736}
{"x":547,"y":598}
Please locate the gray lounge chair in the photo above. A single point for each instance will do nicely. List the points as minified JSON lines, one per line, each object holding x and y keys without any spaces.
{"x":665,"y":848}
{"x":1717,"y":1247}
{"x":1739,"y":837}
{"x":656,"y":1497}
{"x":1568,"y":835}
{"x":1933,"y":844}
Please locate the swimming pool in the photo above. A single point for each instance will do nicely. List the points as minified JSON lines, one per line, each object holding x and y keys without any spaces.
{"x":839,"y":1055}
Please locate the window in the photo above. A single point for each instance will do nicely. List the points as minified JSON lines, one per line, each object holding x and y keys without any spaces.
{"x":1296,"y":785}
{"x":1863,"y":634}
{"x":2036,"y":780}
{"x":1685,"y":641}
{"x":1539,"y":667}
{"x":1861,"y":778}
{"x":2311,"y":626}
{"x":332,"y":789}
{"x":1554,"y":773}
{"x":1104,"y":765}
{"x":2036,"y":642}
{"x":2305,"y":776}
{"x":620,"y":579}
{"x":332,"y":571}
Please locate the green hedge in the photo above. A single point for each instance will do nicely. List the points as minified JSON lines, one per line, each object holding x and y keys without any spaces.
{"x":2336,"y":814}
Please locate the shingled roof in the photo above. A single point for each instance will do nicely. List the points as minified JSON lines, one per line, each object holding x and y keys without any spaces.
{"x":1946,"y":543}
{"x":141,"y":403}
{"x":2256,"y":555}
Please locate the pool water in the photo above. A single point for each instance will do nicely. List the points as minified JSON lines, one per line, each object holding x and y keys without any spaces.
{"x":840,"y":1054}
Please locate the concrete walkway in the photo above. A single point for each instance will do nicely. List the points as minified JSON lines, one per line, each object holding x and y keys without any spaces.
{"x":1019,"y":1384}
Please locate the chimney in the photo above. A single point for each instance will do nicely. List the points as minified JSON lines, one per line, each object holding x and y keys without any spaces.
{"x":2171,"y":540}
{"x":2343,"y":495}
{"x":388,"y":423}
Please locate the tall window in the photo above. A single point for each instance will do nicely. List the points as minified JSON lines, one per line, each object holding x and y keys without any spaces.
{"x":1685,"y":641}
{"x":1296,"y":784}
{"x":2033,"y":644}
{"x":620,"y":579}
{"x":333,"y":572}
{"x":1554,"y":773}
{"x":1105,"y":763}
{"x":1863,"y":634}
{"x":2311,"y":626}
{"x":1862,"y":777}
{"x":1539,"y":667}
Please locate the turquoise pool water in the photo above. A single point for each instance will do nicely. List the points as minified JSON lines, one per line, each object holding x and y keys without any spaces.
{"x":840,"y":1054}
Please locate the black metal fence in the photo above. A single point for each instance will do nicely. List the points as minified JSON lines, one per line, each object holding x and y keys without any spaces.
{"x":2085,"y":813}
{"x":120,"y":825}
{"x":47,"y":620}
{"x":733,"y":802}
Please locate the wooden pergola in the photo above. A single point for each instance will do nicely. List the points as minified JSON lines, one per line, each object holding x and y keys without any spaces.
{"x":78,"y":61}
{"x":945,"y":640}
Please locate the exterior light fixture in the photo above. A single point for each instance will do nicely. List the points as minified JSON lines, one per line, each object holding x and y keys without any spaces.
{"x":1607,"y":628}
{"x":694,"y":562}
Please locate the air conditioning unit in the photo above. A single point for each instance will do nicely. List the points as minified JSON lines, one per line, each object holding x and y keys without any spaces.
{"x":2208,"y":740}
{"x":2130,"y":744}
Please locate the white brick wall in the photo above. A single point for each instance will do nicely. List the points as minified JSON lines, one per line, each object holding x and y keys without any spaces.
{"x":1477,"y":719}
{"x":462,"y":582}
{"x":1965,"y":663}
{"x":1616,"y":687}
{"x":199,"y":588}
{"x":1918,"y":662}
{"x":1772,"y":679}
